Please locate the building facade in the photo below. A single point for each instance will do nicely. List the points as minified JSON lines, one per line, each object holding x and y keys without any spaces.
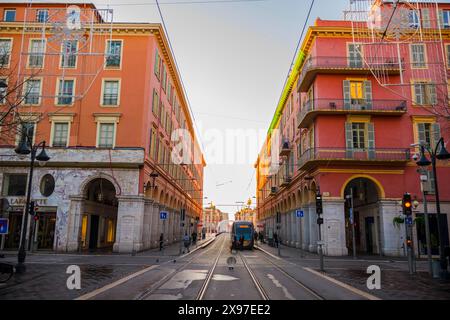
{"x":212,"y":217}
{"x":339,"y":129}
{"x":108,"y":101}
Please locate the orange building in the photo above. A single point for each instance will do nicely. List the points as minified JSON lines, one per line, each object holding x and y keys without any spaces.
{"x":108,"y":101}
{"x":363,"y":94}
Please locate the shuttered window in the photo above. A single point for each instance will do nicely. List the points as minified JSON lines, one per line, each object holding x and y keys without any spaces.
{"x":355,"y":55}
{"x":429,"y":133}
{"x":418,"y":59}
{"x":425,"y":93}
{"x":357,"y":94}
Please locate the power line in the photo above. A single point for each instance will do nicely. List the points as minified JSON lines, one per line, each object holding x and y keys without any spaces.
{"x":179,"y":3}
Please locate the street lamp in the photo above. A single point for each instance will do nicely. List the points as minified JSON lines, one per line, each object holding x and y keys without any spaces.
{"x":438,"y":153}
{"x":25,"y":147}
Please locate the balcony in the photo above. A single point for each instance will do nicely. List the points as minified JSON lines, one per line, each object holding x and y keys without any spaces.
{"x":285,"y":149}
{"x":345,"y":65}
{"x":378,"y":156}
{"x":286,"y":181}
{"x":312,"y":109}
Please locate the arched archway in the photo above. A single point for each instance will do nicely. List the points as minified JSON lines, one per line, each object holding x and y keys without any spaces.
{"x":99,"y":218}
{"x":362,"y":195}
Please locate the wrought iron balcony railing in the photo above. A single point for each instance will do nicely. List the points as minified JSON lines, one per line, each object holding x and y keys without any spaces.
{"x":312,"y":108}
{"x":350,"y":65}
{"x":365,"y":156}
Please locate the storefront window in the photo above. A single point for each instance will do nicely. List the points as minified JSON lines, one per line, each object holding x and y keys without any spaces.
{"x":47,"y":185}
{"x":14,"y":185}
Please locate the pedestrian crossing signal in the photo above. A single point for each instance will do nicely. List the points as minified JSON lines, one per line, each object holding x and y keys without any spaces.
{"x":319,"y":207}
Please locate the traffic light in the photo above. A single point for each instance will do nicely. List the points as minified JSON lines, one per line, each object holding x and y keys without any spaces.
{"x":409,"y":242}
{"x":407,"y":204}
{"x":31,"y":208}
{"x":319,"y":207}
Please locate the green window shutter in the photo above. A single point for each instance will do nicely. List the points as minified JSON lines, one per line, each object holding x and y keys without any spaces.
{"x":431,"y":94}
{"x":349,"y":140}
{"x":426,"y":22}
{"x":436,"y":135}
{"x":368,"y":93}
{"x":157,"y":63}
{"x":347,"y":96}
{"x":421,"y":129}
{"x":155,"y":102}
{"x":441,"y":18}
{"x":371,"y":140}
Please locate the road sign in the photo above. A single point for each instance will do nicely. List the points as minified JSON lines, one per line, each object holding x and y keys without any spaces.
{"x":163,"y":215}
{"x":300,"y":213}
{"x":4,"y":226}
{"x":409,"y":221}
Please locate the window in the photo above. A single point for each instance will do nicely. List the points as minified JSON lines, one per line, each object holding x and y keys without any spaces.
{"x":14,"y":185}
{"x":429,"y":133}
{"x":60,"y":134}
{"x":157,"y":64}
{"x":26,"y":132}
{"x":414,"y":21}
{"x":445,"y":19}
{"x":106,"y":135}
{"x":47,"y":185}
{"x":425,"y":93}
{"x":355,"y":55}
{"x":37,"y":49}
{"x":113,"y":53}
{"x":418,"y":59}
{"x":5,"y":52}
{"x":155,"y":102}
{"x":32,"y":91}
{"x":65,"y":92}
{"x":42,"y":15}
{"x":3,"y":90}
{"x":69,"y":54}
{"x":9,"y":15}
{"x":111,"y":92}
{"x":169,"y":93}
{"x":447,"y":47}
{"x":164,"y":79}
{"x":359,"y":135}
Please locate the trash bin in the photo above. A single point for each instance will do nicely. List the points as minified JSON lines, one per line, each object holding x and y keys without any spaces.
{"x":436,"y":264}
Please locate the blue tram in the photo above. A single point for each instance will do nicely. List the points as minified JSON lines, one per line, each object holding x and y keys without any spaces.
{"x":243,"y":229}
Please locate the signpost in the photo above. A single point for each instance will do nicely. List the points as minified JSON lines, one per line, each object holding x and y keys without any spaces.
{"x":300,"y":214}
{"x":163,"y":215}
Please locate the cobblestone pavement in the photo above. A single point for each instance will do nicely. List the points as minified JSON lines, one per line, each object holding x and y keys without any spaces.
{"x":45,"y":278}
{"x":396,"y":282}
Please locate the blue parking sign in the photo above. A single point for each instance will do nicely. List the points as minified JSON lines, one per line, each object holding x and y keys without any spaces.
{"x":300,"y":213}
{"x":163,"y":215}
{"x":409,"y":221}
{"x":4,"y":226}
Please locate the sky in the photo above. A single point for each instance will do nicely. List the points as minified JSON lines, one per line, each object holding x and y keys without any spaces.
{"x":233,"y":59}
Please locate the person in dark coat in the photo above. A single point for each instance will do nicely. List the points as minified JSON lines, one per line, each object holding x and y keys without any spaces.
{"x":161,"y":242}
{"x":275,"y":239}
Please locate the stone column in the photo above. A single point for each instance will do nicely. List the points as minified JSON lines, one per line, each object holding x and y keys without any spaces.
{"x":130,"y":224}
{"x":305,"y":228}
{"x":333,"y":229}
{"x":313,"y":228}
{"x":74,"y":224}
{"x":391,"y":237}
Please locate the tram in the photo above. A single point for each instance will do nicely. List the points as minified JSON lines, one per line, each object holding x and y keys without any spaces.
{"x":243,"y":229}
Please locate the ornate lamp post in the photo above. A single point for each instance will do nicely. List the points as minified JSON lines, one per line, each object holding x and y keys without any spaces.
{"x":438,"y":153}
{"x":25,"y":148}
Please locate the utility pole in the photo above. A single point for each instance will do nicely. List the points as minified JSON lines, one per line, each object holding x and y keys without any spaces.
{"x":352,"y":220}
{"x":319,"y":211}
{"x":423,"y":181}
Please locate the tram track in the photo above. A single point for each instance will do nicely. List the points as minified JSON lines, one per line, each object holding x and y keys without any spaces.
{"x":262,"y":292}
{"x":305,"y":287}
{"x":172,"y":274}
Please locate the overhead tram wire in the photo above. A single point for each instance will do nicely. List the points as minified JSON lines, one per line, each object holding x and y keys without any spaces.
{"x":298,"y":43}
{"x":182,"y":3}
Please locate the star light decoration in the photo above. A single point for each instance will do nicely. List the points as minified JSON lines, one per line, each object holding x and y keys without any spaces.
{"x":397,"y":25}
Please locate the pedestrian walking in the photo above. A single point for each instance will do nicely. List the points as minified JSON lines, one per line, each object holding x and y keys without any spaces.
{"x":275,"y":239}
{"x":194,"y":238}
{"x":161,"y":242}
{"x":187,"y":242}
